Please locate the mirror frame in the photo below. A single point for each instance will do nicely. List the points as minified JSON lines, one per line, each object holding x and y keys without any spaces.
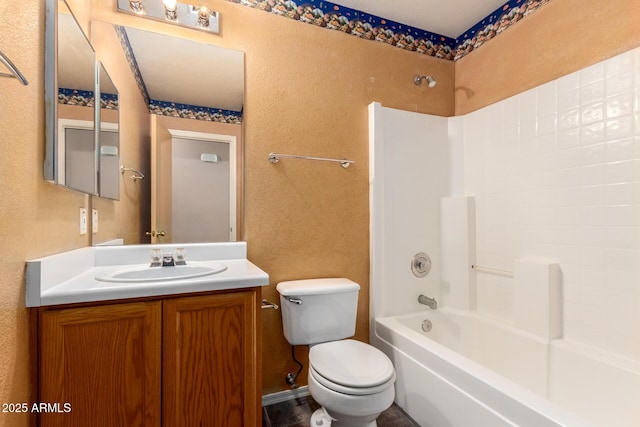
{"x":52,"y":168}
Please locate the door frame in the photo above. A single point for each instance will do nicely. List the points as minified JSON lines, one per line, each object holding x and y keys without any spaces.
{"x":63,"y":125}
{"x":232,"y":141}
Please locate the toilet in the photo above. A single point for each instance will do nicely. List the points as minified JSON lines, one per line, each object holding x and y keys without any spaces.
{"x":351,"y":380}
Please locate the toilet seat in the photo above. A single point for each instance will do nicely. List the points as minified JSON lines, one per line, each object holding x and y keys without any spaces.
{"x":351,"y":367}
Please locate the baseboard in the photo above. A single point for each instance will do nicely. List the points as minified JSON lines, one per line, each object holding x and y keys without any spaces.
{"x":283,"y":396}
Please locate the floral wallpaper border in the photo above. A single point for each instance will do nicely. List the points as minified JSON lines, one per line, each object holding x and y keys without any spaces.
{"x":82,"y":98}
{"x":86,"y":98}
{"x":332,"y":16}
{"x":194,"y":112}
{"x":350,"y":21}
{"x":494,"y":24}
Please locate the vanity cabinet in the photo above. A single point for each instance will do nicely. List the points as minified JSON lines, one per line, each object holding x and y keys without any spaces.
{"x":184,"y":361}
{"x":104,"y":362}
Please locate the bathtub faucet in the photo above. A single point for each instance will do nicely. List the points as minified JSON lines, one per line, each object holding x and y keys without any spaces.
{"x":429,"y":302}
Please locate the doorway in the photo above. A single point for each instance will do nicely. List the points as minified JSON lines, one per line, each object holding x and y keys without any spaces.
{"x":193,"y":186}
{"x":201,"y":191}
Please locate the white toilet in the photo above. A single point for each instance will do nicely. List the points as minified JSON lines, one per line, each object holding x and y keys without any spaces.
{"x":353,"y":381}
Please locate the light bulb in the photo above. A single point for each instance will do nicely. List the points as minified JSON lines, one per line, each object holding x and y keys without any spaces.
{"x":203,"y":17}
{"x":136,"y":6}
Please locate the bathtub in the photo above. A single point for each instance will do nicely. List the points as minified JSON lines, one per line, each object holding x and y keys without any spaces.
{"x":470,"y":371}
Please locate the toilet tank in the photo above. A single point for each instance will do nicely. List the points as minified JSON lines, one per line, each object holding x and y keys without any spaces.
{"x":318,"y":310}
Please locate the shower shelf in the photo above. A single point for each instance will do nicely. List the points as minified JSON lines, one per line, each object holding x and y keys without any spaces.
{"x":495,"y":271}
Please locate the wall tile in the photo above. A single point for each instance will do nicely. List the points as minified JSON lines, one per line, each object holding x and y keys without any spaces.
{"x":619,"y":64}
{"x":592,"y":134}
{"x":569,"y":119}
{"x":592,"y":92}
{"x":591,"y":74}
{"x":620,"y":105}
{"x":591,"y":113}
{"x":621,"y":127}
{"x":567,"y":188}
{"x":621,"y":83}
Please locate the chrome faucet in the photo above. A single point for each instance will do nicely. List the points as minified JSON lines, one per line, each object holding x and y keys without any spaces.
{"x":429,"y":302}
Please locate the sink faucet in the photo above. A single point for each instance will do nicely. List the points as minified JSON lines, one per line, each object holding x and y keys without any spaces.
{"x":429,"y":302}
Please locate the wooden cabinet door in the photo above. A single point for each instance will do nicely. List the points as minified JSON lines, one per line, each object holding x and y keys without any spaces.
{"x":104,"y":362}
{"x":210,"y":374}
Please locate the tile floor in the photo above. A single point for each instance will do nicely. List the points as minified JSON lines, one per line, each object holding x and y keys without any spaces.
{"x":297,"y":412}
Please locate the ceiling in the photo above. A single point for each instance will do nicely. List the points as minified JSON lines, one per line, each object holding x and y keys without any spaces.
{"x":449,"y":18}
{"x":188,"y":72}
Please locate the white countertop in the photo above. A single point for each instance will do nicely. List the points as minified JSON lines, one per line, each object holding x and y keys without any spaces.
{"x":70,"y":277}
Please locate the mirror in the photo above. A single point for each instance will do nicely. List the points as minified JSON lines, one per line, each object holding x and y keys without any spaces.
{"x":109,"y":140}
{"x":195,"y":93}
{"x":72,"y":142}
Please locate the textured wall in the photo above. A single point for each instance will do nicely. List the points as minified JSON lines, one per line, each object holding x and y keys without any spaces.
{"x":37,"y":218}
{"x":307,"y":91}
{"x":562,"y":37}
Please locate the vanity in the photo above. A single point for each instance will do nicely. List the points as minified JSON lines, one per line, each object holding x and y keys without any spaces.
{"x":128,"y":344}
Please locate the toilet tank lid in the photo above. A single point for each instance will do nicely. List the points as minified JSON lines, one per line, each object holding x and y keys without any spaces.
{"x":317,"y":286}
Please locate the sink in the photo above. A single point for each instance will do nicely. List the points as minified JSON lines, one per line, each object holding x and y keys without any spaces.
{"x":158,"y":274}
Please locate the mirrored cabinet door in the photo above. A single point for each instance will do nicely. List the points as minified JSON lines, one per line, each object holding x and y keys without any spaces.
{"x":73,"y":155}
{"x":108,"y":138}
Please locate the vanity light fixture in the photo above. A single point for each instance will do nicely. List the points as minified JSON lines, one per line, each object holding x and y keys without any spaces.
{"x":194,"y":16}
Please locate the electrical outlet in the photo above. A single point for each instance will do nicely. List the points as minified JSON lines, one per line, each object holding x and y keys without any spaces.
{"x":94,"y":220}
{"x":83,"y":221}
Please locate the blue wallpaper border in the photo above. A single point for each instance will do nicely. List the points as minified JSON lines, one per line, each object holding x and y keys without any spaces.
{"x":86,"y":98}
{"x":194,"y":112}
{"x":370,"y":27}
{"x":82,"y":98}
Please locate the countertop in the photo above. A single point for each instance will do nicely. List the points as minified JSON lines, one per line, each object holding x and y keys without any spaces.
{"x":70,"y":277}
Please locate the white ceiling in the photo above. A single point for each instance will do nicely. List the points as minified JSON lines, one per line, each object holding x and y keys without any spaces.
{"x":188,"y":72}
{"x":445,"y":17}
{"x":76,"y":69}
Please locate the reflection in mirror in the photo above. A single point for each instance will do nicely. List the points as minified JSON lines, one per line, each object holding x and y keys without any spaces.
{"x":71,"y":159}
{"x":109,"y":144}
{"x":195,"y":94}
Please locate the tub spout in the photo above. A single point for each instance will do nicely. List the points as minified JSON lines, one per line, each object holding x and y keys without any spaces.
{"x":429,"y":302}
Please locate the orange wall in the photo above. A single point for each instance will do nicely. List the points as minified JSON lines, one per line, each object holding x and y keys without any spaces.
{"x":307,"y":91}
{"x":37,"y":218}
{"x":562,"y":37}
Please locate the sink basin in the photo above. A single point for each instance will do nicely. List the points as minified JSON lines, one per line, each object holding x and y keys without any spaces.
{"x":157,"y":274}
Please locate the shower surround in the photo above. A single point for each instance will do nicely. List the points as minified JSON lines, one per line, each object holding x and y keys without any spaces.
{"x":550,"y":175}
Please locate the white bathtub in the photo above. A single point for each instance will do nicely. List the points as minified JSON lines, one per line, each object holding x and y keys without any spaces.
{"x":469,"y":371}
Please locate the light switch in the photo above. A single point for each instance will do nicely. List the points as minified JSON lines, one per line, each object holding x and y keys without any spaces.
{"x":94,"y":220}
{"x":83,"y":221}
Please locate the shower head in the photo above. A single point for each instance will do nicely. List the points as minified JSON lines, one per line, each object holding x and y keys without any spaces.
{"x":430,"y":80}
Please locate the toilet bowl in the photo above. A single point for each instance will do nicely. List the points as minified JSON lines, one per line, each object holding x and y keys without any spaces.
{"x":352,"y":381}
